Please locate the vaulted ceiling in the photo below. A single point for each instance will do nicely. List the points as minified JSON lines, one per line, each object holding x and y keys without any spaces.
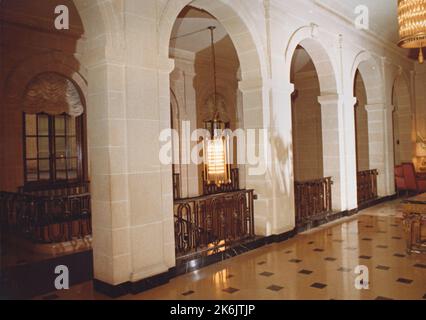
{"x":383,"y":22}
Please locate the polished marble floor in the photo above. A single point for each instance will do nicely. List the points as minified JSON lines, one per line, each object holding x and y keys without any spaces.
{"x":318,"y":264}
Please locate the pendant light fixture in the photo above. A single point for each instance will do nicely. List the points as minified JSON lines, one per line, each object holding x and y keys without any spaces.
{"x":217,"y":167}
{"x":412,"y":25}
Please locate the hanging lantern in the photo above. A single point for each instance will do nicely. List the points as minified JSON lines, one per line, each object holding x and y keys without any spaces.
{"x":217,"y":165}
{"x":412,"y":25}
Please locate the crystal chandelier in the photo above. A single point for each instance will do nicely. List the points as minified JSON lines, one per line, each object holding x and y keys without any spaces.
{"x":412,"y":25}
{"x":217,"y":168}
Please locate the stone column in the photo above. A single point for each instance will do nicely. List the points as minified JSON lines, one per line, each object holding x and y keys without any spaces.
{"x":258,"y":176}
{"x":281,"y":166}
{"x":193,"y":179}
{"x":378,"y":149}
{"x":107,"y":148}
{"x":350,"y":153}
{"x":333,"y":134}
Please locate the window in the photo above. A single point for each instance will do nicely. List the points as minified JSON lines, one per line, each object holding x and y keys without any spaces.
{"x":53,"y":148}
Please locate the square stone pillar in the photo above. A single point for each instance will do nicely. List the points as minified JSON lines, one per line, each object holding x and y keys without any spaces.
{"x":258,"y":175}
{"x":107,"y":149}
{"x":281,"y":165}
{"x":350,"y":153}
{"x":333,"y":134}
{"x":379,"y":147}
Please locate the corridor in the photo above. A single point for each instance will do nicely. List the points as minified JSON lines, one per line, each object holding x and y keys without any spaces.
{"x":318,"y":264}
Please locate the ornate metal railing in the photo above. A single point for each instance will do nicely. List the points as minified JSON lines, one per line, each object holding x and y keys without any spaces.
{"x":46,"y":219}
{"x":313,"y":199}
{"x":213,"y":221}
{"x":367,"y":186}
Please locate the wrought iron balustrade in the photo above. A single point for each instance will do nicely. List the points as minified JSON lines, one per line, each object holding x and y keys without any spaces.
{"x":212,"y":221}
{"x":313,"y":199}
{"x":367,"y":186}
{"x":46,"y":219}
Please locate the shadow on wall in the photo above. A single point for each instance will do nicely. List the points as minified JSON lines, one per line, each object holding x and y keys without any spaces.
{"x":282,"y":153}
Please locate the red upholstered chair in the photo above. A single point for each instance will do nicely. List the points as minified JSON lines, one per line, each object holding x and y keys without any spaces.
{"x":400,"y":179}
{"x":413,"y":181}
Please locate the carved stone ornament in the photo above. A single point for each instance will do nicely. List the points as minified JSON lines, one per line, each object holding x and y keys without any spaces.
{"x":53,"y":94}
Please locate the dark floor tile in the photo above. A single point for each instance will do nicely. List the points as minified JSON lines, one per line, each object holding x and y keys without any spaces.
{"x":365,"y":257}
{"x":230,"y":276}
{"x":261,"y":263}
{"x":51,"y":297}
{"x":369,"y":227}
{"x":295,"y":261}
{"x":188,"y":293}
{"x":383,"y":298}
{"x":342,"y":269}
{"x":419,"y":265}
{"x":384,"y":268}
{"x":404,"y":281}
{"x":306,"y":272}
{"x":330,"y":259}
{"x":288,"y":252}
{"x":319,"y":250}
{"x":275,"y":288}
{"x":318,"y":285}
{"x":266,"y":274}
{"x":399,"y":255}
{"x":367,"y":239}
{"x":230,"y":290}
{"x":382,"y":247}
{"x":424,"y":297}
{"x":351,"y":248}
{"x":311,"y":242}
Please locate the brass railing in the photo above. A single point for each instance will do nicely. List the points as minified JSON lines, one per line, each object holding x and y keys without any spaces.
{"x":313,"y":199}
{"x":212,"y":221}
{"x":367,"y":185}
{"x":46,"y":219}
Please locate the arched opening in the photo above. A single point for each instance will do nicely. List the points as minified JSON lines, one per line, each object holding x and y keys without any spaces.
{"x":361,"y":125}
{"x":366,"y":177}
{"x":306,"y":114}
{"x":314,"y":82}
{"x":369,"y":129}
{"x":205,"y":85}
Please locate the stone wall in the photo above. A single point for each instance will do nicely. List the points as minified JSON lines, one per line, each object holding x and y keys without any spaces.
{"x":307,"y":127}
{"x":30,"y":48}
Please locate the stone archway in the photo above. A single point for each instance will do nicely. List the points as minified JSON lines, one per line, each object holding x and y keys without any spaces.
{"x":377,"y":113}
{"x":253,"y":71}
{"x":309,"y":38}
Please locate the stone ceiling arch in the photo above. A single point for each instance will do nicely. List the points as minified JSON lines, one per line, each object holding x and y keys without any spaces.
{"x":309,"y":38}
{"x":231,"y":16}
{"x":371,"y":76}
